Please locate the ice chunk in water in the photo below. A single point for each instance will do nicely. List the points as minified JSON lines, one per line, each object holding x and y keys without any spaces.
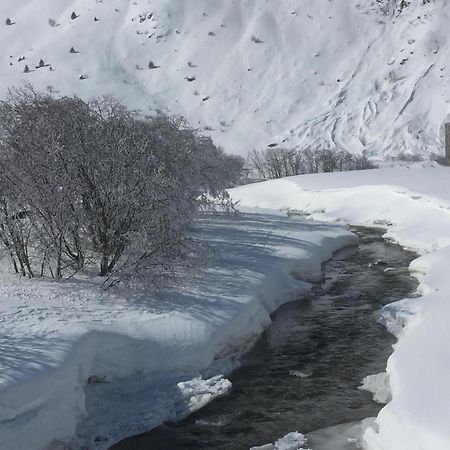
{"x":292,"y":441}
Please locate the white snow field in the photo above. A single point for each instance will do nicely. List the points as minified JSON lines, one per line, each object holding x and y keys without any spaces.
{"x":76,"y":360}
{"x":414,"y":206}
{"x":355,"y":75}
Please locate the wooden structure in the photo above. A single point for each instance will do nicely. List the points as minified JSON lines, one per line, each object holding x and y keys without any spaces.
{"x":447,"y":142}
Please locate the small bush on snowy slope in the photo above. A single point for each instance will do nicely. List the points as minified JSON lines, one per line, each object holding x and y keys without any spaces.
{"x":408,"y":157}
{"x":278,"y":162}
{"x":92,"y":182}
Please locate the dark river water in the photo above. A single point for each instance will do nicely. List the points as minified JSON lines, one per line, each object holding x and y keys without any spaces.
{"x":303,"y":373}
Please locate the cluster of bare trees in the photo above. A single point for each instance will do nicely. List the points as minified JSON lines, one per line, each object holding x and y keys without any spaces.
{"x":94,"y":185}
{"x":278,"y":162}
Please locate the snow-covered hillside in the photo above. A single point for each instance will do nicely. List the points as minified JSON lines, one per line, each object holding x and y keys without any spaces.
{"x":328,"y":73}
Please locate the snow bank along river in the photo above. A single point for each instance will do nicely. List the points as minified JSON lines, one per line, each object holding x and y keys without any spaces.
{"x":304,"y":372}
{"x":414,"y":205}
{"x":78,"y":361}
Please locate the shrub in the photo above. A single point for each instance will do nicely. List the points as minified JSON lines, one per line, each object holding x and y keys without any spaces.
{"x":278,"y":162}
{"x":93,"y":183}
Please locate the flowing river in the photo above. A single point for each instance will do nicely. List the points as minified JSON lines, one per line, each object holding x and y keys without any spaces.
{"x":303,"y":373}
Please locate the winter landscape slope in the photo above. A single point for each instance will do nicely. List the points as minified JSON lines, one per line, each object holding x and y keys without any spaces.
{"x":323,"y":73}
{"x":347,"y":74}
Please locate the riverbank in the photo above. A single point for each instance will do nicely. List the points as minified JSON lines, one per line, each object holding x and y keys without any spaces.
{"x":304,"y":373}
{"x":66,"y":346}
{"x":414,"y":206}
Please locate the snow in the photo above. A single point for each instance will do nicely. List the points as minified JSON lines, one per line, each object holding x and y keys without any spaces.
{"x":200,"y":392}
{"x":103,"y":365}
{"x":71,"y":353}
{"x":414,"y":206}
{"x":352,"y":75}
{"x":292,"y":441}
{"x":378,"y":385}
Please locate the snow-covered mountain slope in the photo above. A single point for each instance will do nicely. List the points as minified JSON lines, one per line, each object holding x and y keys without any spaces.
{"x":324,"y":73}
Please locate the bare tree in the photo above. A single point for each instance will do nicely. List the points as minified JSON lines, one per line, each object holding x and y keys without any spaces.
{"x":93,"y":182}
{"x":278,"y":162}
